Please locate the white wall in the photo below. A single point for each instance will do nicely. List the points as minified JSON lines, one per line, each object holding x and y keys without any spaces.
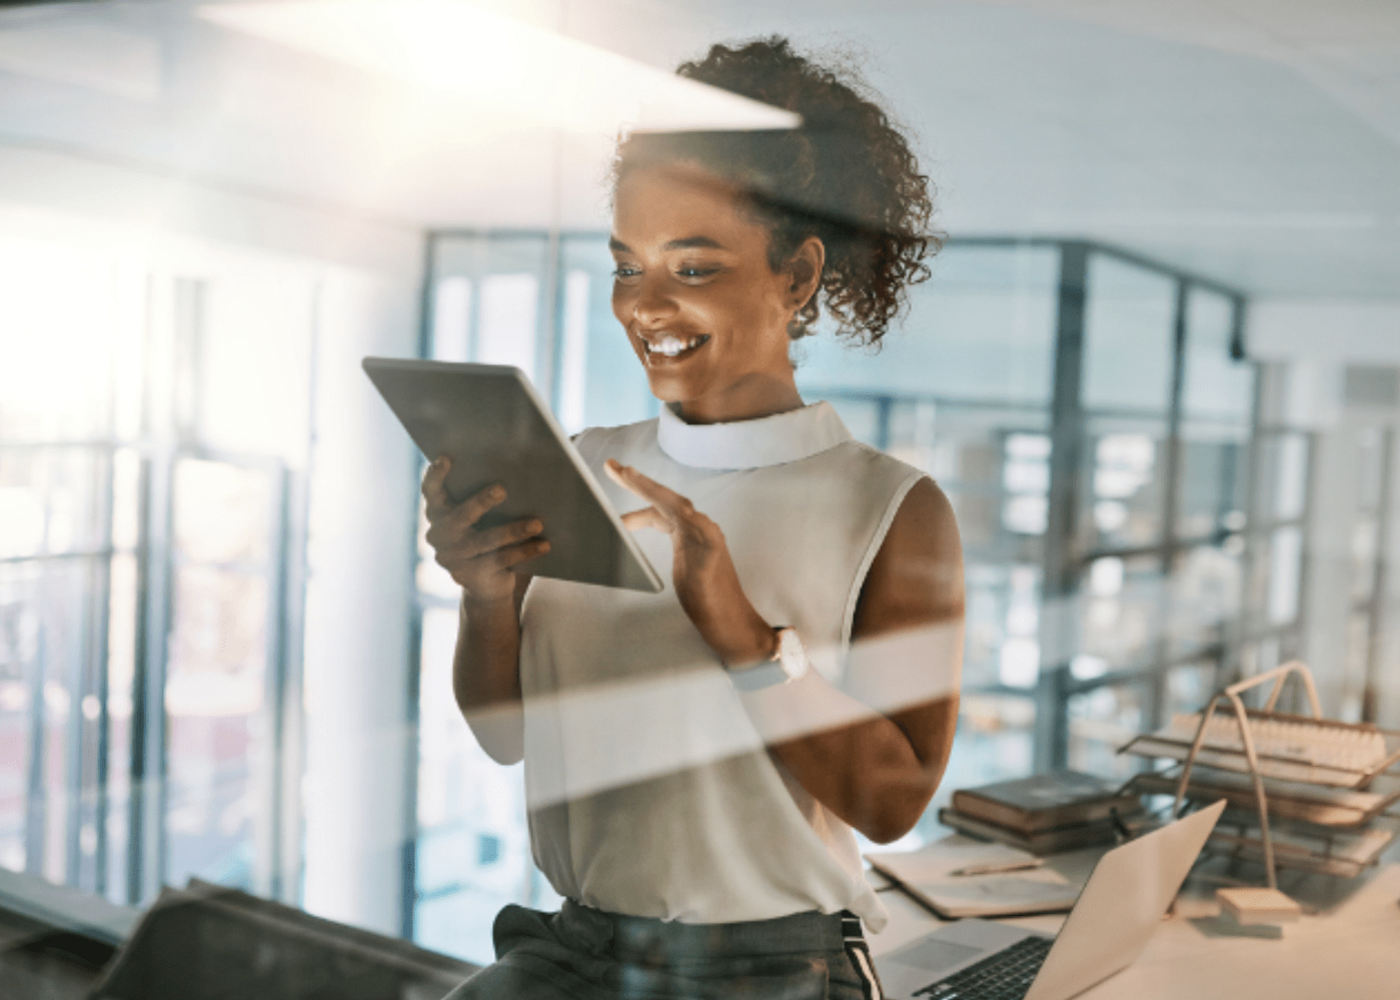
{"x":1318,"y":339}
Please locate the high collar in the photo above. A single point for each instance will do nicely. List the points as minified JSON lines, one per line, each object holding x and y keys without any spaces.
{"x":752,"y":444}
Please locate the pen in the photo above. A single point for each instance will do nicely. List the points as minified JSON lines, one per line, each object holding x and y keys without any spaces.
{"x":1012,"y":866}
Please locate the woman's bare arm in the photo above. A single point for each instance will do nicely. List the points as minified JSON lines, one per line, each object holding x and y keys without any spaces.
{"x":876,"y":771}
{"x":486,"y":663}
{"x":879,"y":774}
{"x":486,"y":673}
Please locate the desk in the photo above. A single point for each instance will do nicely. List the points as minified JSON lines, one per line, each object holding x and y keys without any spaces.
{"x":1351,"y":952}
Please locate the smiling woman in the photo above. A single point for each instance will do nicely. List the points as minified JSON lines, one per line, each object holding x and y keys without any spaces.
{"x":698,"y":761}
{"x":705,"y":313}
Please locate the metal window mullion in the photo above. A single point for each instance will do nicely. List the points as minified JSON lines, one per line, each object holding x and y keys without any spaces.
{"x":427,"y":296}
{"x":146,"y":837}
{"x":289,"y":730}
{"x":36,"y":795}
{"x":1060,"y":583}
{"x":1300,"y":616}
{"x":136,"y":766}
{"x":884,"y":407}
{"x":1155,"y":684}
{"x":409,"y":852}
{"x":80,"y":684}
{"x":268,"y":775}
{"x":1233,"y":665}
{"x":86,"y":763}
{"x":103,"y":724}
{"x":551,"y":307}
{"x":1375,"y":624}
{"x":100,"y":731}
{"x":560,"y":306}
{"x":74,"y":671}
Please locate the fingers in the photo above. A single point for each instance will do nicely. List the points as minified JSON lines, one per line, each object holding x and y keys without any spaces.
{"x":466,"y":568}
{"x":667,"y":501}
{"x":475,"y":506}
{"x":481,"y":561}
{"x":455,"y":537}
{"x":514,"y":555}
{"x":435,"y":487}
{"x":506,"y":535}
{"x":647,"y":517}
{"x":439,"y":503}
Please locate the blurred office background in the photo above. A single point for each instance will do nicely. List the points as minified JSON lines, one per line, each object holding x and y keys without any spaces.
{"x":1157,"y":369}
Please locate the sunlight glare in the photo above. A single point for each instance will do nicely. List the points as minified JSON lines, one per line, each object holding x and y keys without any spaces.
{"x":459,"y":50}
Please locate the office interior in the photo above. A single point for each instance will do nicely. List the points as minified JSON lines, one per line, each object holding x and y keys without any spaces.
{"x":1156,"y":369}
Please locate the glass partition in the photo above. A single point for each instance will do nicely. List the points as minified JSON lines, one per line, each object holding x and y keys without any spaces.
{"x":226,"y":647}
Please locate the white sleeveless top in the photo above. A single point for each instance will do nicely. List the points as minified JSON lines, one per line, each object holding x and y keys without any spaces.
{"x":650,"y":793}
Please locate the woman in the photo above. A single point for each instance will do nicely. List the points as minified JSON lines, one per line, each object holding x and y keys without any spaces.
{"x":701,"y":833}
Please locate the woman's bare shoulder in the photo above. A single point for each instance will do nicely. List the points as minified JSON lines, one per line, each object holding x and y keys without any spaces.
{"x":917,"y":575}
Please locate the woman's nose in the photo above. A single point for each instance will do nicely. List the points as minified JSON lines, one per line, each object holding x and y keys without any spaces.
{"x":653,"y":304}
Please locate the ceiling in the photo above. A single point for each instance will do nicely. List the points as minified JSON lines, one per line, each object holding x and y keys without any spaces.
{"x":1254,"y":141}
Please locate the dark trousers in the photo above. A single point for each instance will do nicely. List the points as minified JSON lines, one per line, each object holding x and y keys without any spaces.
{"x":581,"y":953}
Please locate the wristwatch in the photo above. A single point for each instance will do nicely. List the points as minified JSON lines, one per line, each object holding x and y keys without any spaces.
{"x":788,"y":663}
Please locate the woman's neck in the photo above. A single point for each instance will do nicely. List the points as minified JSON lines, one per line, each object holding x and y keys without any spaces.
{"x":749,"y":399}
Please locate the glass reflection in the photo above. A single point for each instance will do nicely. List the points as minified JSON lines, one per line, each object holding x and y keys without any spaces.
{"x":205,"y":224}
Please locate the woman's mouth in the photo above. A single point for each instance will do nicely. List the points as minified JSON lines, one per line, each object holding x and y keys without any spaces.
{"x":669,"y":348}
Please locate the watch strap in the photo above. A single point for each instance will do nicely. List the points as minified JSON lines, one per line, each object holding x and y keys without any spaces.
{"x":756,"y":678}
{"x":779,"y":669}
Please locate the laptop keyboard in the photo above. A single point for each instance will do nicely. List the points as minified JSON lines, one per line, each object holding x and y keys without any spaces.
{"x":1007,"y":975}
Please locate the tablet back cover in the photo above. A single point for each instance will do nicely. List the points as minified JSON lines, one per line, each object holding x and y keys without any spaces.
{"x":496,"y":430}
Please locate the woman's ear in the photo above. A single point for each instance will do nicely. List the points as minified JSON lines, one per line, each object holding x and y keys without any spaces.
{"x":805,"y":271}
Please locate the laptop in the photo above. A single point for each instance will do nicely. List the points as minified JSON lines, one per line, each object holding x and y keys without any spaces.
{"x":1110,"y":925}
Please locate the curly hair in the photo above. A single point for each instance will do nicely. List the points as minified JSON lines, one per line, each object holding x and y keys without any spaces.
{"x":847,"y":175}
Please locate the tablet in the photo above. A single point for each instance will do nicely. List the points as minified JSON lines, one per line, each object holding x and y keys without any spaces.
{"x":493,"y":425}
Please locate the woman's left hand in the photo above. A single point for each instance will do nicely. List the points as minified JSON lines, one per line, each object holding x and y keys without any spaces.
{"x":703,"y":573}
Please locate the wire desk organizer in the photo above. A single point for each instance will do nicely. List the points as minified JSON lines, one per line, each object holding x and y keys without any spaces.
{"x":1285,"y":748}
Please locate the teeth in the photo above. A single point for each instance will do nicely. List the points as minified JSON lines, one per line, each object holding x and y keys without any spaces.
{"x":671,"y":346}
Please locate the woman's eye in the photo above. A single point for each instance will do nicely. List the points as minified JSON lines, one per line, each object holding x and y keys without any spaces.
{"x":689,"y":272}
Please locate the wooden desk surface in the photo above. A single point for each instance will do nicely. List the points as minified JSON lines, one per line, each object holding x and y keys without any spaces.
{"x":1349,"y":952}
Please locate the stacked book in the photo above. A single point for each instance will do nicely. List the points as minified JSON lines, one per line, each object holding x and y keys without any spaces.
{"x":1044,"y":814}
{"x":1328,"y":787}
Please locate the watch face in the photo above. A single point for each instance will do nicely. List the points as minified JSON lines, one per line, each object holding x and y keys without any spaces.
{"x":791,"y":653}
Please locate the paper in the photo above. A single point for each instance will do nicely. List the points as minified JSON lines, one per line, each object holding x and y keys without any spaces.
{"x":924,"y":874}
{"x":935,"y":860}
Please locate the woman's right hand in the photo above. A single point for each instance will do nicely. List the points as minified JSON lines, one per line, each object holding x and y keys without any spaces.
{"x":481,"y":561}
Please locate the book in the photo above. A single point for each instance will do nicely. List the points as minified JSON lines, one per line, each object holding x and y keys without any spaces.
{"x":1044,"y":801}
{"x":1324,"y":805}
{"x":1287,"y":747}
{"x":1052,"y":841}
{"x":1340,"y":854}
{"x":925,"y":876}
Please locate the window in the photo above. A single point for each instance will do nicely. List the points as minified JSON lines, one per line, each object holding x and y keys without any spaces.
{"x":149,"y":534}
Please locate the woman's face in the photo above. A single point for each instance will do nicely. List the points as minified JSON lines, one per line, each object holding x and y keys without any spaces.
{"x":702,"y":307}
